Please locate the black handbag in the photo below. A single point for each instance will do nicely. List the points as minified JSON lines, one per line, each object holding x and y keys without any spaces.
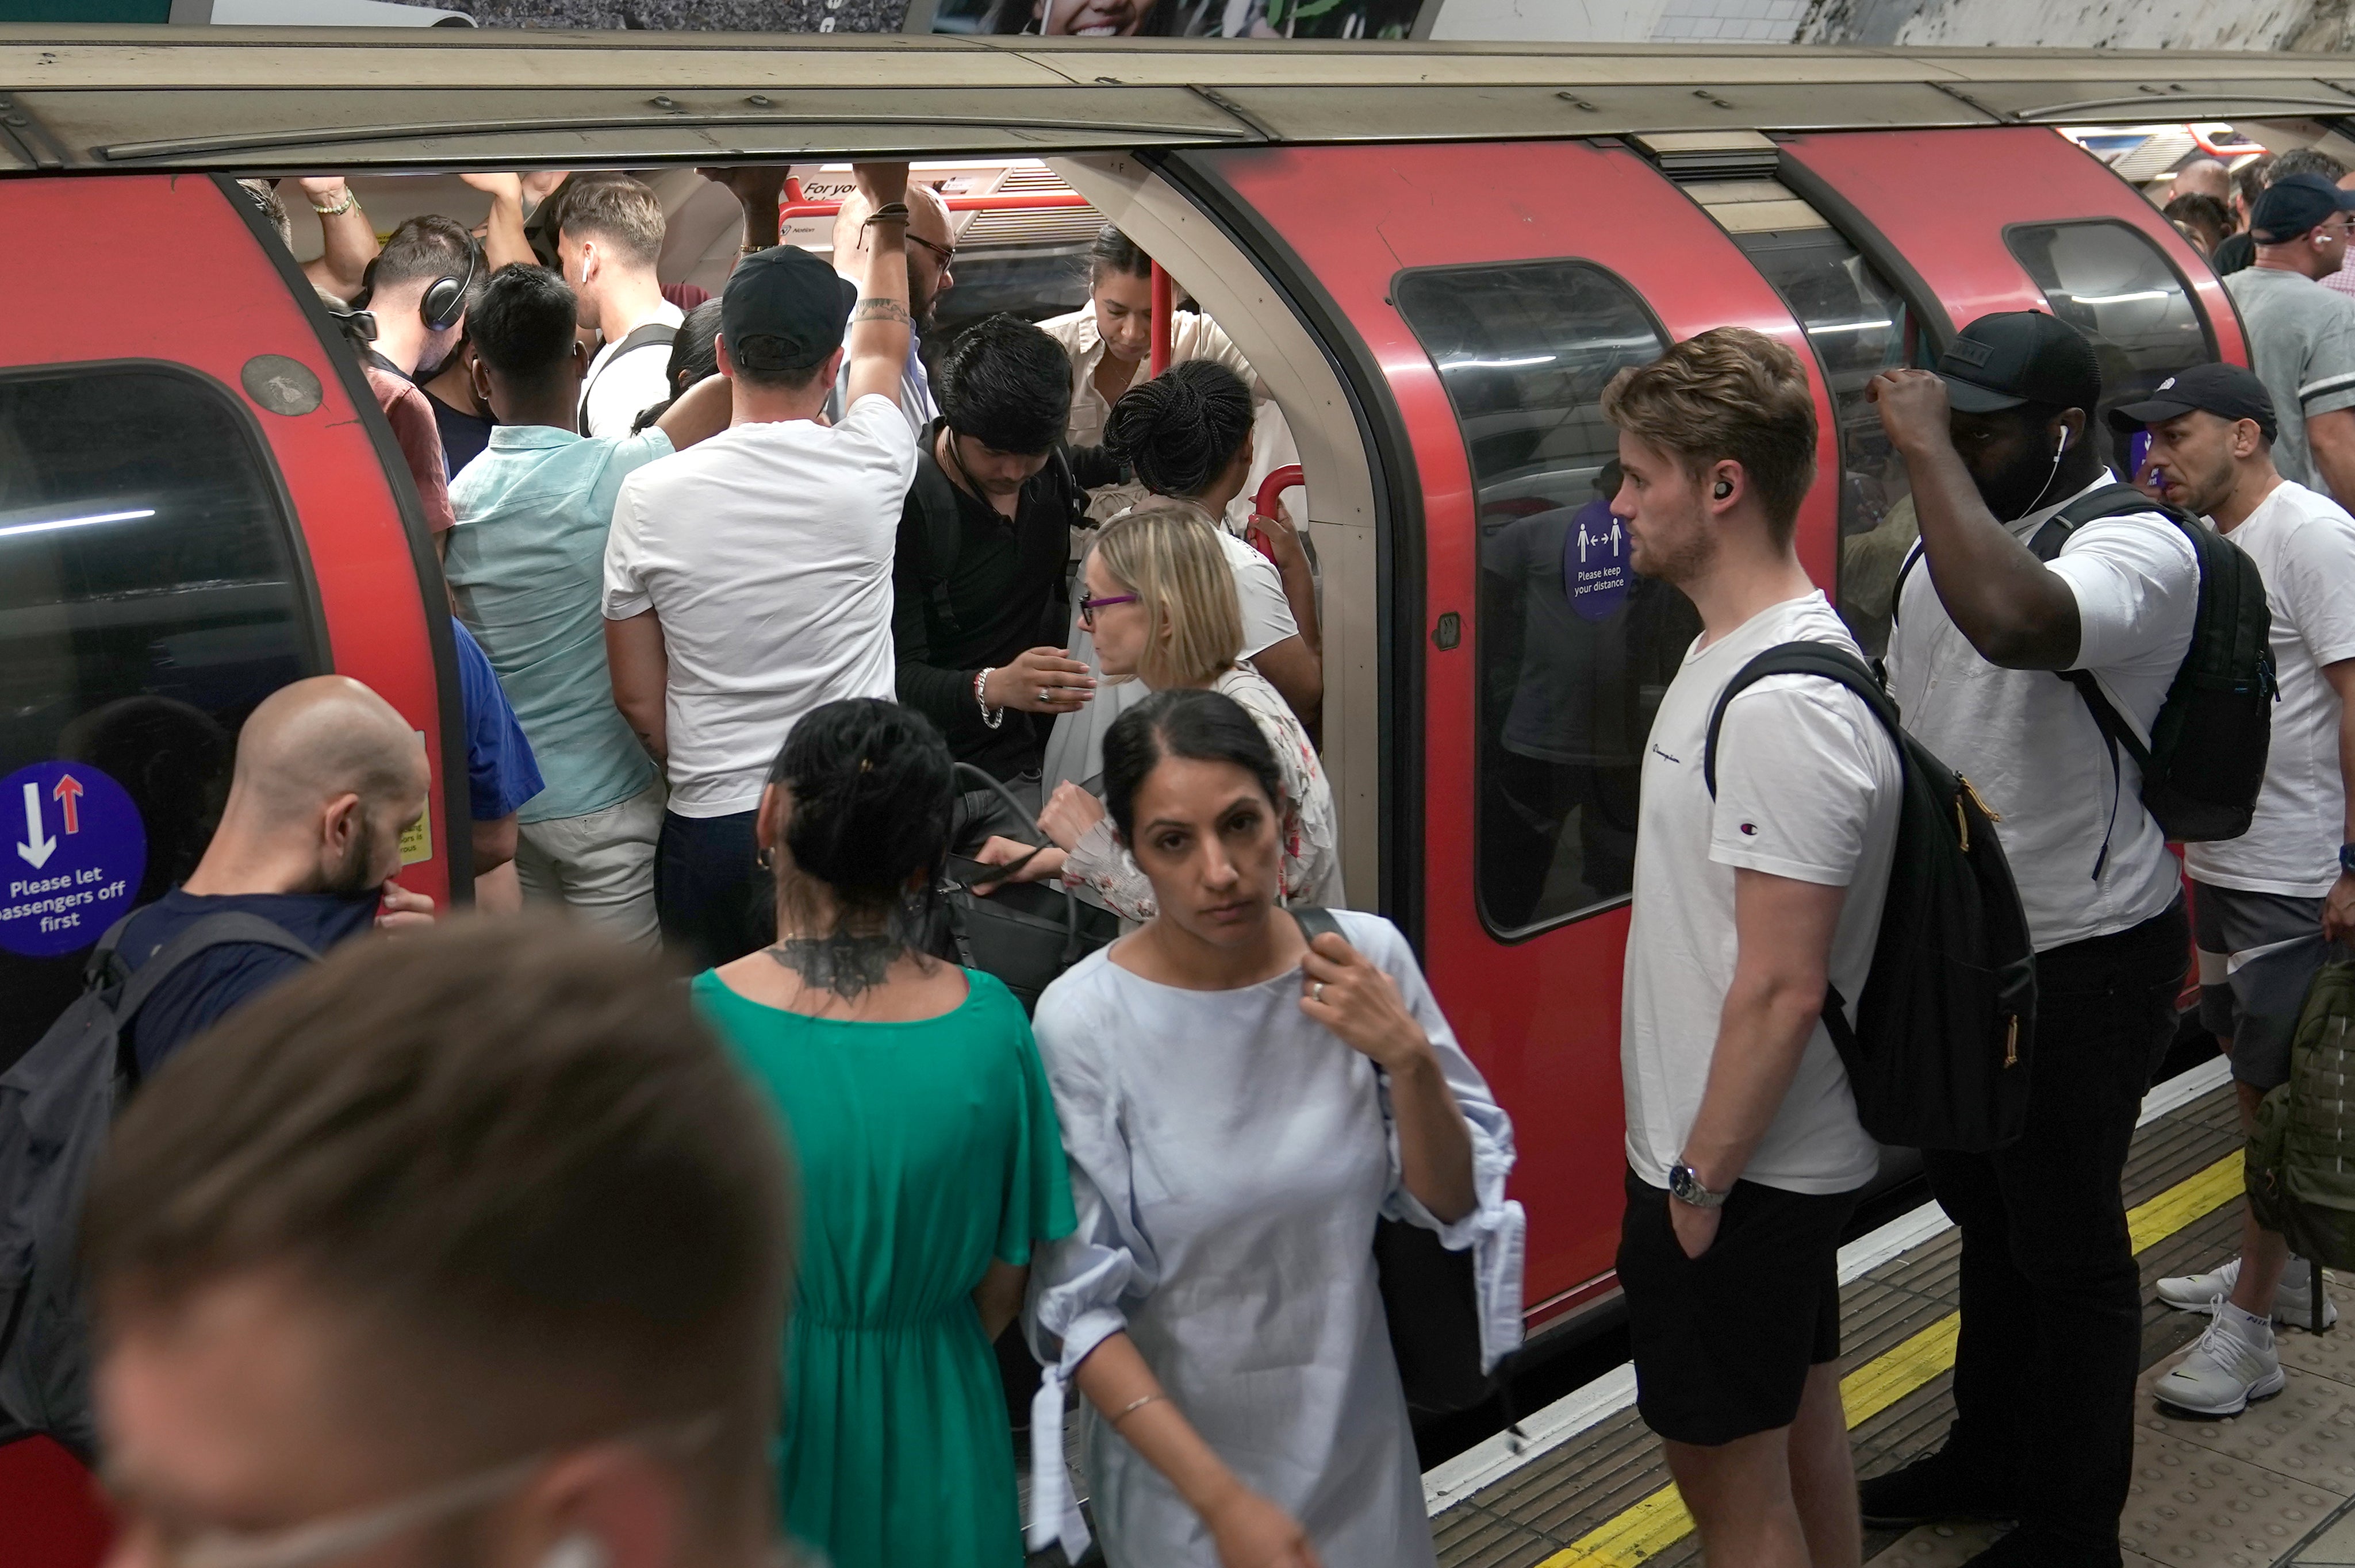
{"x":1025,"y":933}
{"x":1430,"y":1297}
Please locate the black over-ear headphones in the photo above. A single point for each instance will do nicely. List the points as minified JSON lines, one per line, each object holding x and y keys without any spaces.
{"x":446,"y":297}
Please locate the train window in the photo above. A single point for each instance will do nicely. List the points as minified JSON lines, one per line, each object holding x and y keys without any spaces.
{"x":1859,"y":326}
{"x":1574,"y":650}
{"x":2109,"y":281}
{"x":150,"y":596}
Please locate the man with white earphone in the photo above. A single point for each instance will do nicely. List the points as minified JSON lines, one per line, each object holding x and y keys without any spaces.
{"x":2032,"y":562}
{"x":2302,"y":335}
{"x":468,"y":1249}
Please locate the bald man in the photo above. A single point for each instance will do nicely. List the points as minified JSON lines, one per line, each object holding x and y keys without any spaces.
{"x":931,"y":246}
{"x":2204,"y":177}
{"x":327,"y":776}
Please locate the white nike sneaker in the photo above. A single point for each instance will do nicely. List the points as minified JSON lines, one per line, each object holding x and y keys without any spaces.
{"x":2224,"y":1373}
{"x":2293,"y":1299}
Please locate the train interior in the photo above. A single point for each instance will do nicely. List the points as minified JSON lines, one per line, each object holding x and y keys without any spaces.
{"x":1434,"y":326}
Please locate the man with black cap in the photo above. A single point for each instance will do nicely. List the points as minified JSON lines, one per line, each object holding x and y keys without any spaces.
{"x":748,"y":580}
{"x":2276,"y":895}
{"x":2301,"y":334}
{"x":1996,"y":444}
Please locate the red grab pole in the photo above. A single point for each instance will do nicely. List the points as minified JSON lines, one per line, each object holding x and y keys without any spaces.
{"x":1160,"y":319}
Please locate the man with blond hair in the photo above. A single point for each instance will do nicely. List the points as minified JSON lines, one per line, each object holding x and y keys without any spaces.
{"x":1753,"y":894}
{"x":608,"y":240}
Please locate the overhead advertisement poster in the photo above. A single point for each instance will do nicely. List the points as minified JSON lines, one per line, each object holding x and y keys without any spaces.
{"x":1184,"y":18}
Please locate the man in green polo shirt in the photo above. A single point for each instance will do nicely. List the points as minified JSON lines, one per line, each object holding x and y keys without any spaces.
{"x":526,"y":567}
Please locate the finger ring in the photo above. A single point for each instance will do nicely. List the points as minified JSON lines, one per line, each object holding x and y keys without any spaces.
{"x":1317,"y":991}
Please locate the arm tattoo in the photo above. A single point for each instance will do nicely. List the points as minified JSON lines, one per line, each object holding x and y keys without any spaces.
{"x":881,"y":310}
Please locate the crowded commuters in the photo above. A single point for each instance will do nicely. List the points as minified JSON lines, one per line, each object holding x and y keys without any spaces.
{"x":2279,"y":892}
{"x":460,"y":415}
{"x":2248,"y":183}
{"x":694,"y":357}
{"x":1159,"y":603}
{"x":748,"y":580}
{"x":348,"y":240}
{"x":525,"y":569}
{"x":472,"y":1247}
{"x":2203,"y":220}
{"x":327,"y":775}
{"x":929,"y":1165}
{"x":610,"y":234}
{"x":977,"y":577}
{"x":1997,"y":444}
{"x":1187,"y":434}
{"x":2302,"y":335}
{"x":1744,"y":1146}
{"x":1239,"y":1107}
{"x":932,"y":247}
{"x":2202,"y":177}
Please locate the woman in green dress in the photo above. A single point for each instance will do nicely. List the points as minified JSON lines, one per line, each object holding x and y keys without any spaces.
{"x":930,"y":1157}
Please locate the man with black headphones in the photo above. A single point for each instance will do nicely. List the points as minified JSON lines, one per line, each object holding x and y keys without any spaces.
{"x":416,"y":290}
{"x":2301,"y":334}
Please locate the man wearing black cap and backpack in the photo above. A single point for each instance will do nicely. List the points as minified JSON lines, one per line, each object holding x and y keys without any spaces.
{"x":1991,"y":609}
{"x":2301,"y":334}
{"x":748,"y":580}
{"x":2271,"y":900}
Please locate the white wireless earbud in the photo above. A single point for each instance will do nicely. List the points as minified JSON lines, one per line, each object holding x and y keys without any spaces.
{"x":579,"y":1549}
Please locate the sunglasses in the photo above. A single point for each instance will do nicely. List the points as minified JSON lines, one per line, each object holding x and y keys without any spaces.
{"x":1090,"y":604}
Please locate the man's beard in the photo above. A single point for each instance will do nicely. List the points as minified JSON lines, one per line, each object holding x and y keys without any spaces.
{"x":354,"y":875}
{"x":1688,"y":559}
{"x":2022,"y":488}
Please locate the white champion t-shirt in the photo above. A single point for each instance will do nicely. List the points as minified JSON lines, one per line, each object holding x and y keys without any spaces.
{"x":2304,"y":544}
{"x":1807,"y":787}
{"x":2026,"y":741}
{"x":765,"y":553}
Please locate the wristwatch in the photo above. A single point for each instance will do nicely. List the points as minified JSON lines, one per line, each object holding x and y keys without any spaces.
{"x":2346,"y":857}
{"x":1684,"y":1186}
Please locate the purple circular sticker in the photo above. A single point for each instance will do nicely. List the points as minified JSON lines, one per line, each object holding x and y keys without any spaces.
{"x":1594,"y":561}
{"x":74,"y":848}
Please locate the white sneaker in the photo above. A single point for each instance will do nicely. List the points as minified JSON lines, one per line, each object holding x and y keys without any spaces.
{"x":2293,"y":1299}
{"x":2224,"y":1371}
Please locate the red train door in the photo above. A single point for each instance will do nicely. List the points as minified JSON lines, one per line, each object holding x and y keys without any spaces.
{"x":194,"y":509}
{"x":1493,"y":292}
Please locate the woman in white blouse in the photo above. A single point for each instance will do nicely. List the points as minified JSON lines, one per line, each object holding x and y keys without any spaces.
{"x":1161,"y":603}
{"x":1239,"y":1108}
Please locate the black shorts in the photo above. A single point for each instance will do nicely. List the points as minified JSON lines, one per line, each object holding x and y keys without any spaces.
{"x":1722,"y":1342}
{"x":2228,"y":920}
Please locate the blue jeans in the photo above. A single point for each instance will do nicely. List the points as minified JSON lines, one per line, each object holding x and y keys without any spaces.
{"x":714,"y":903}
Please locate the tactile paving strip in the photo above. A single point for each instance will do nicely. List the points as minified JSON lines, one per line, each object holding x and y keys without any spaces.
{"x":2306,"y":1434}
{"x":2200,"y":1509}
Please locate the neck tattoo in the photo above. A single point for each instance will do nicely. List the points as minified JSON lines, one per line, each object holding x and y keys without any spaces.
{"x":845,"y":964}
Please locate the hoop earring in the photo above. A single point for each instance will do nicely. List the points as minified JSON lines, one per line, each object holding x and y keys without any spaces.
{"x":766,"y":859}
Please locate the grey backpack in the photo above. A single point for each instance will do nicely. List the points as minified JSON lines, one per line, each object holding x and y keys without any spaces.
{"x":55,"y":1107}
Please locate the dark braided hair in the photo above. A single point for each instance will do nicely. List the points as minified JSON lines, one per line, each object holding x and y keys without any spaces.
{"x":1181,"y":429}
{"x":873,"y":786}
{"x":1190,"y":723}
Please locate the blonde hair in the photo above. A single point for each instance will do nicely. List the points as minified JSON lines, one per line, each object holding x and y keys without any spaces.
{"x":1163,"y":552}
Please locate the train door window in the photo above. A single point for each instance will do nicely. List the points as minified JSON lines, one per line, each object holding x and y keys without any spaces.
{"x":2110,"y":283}
{"x":1574,"y":650}
{"x":150,"y":596}
{"x":1859,"y":325}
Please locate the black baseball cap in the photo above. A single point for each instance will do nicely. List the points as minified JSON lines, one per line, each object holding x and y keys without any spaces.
{"x":783,"y":310}
{"x":2012,"y":357}
{"x":2225,"y":391}
{"x":2293,"y":205}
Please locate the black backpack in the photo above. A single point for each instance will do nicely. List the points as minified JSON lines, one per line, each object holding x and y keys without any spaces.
{"x":2207,"y":755}
{"x":55,"y":1104}
{"x":1939,"y":1055}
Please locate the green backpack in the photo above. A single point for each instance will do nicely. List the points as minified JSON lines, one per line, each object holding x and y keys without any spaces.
{"x":2301,"y":1157}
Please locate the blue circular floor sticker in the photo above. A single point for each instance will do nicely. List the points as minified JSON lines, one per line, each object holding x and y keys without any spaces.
{"x":74,"y":848}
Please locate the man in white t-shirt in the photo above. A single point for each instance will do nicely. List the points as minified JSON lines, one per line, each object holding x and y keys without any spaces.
{"x":748,"y":580}
{"x":1996,"y":444}
{"x":2267,"y":905}
{"x":1743,"y":1147}
{"x":610,"y":238}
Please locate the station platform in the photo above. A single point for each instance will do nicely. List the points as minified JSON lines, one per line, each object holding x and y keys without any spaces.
{"x":1583,"y":1485}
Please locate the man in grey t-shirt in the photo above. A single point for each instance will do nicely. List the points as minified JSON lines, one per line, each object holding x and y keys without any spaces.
{"x":2301,"y":334}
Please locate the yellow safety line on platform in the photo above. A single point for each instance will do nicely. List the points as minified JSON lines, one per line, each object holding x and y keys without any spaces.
{"x":1658,"y":1522}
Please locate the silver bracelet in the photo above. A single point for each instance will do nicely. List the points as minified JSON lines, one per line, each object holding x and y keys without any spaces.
{"x":991,"y":717}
